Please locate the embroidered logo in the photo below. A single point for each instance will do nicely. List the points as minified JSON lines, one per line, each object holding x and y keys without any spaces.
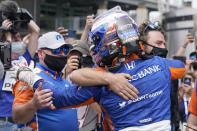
{"x":122,"y":104}
{"x":130,"y":66}
{"x":22,"y":88}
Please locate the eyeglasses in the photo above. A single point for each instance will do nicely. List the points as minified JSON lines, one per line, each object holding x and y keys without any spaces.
{"x":58,"y":50}
{"x":152,"y":26}
{"x":192,"y":57}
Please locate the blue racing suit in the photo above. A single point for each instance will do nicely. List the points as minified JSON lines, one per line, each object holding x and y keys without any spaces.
{"x":151,"y":77}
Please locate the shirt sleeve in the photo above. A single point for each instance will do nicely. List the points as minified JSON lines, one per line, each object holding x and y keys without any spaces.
{"x":22,"y":93}
{"x":99,"y":69}
{"x":72,"y":96}
{"x":193,"y":102}
{"x":176,"y":67}
{"x":27,"y":56}
{"x":24,"y":60}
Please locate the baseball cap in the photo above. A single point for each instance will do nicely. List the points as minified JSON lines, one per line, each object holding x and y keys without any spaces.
{"x":80,"y":46}
{"x":52,"y":40}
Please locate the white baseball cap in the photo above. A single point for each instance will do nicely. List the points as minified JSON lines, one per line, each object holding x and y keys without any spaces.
{"x":52,"y":40}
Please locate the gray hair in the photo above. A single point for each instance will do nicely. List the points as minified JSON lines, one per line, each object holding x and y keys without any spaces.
{"x":9,"y":6}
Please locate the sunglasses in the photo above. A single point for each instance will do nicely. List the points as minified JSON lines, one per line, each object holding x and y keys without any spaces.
{"x":151,"y":26}
{"x":58,"y":50}
{"x":192,"y":57}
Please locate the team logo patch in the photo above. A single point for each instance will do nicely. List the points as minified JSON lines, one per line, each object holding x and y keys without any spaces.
{"x":122,"y":104}
{"x":130,"y":66}
{"x":58,"y":37}
{"x":22,"y":88}
{"x":66,"y":85}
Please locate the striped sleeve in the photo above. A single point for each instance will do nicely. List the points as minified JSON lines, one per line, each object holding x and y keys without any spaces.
{"x":72,"y":96}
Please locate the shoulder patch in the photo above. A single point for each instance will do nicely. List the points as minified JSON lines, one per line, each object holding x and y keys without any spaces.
{"x":22,"y":87}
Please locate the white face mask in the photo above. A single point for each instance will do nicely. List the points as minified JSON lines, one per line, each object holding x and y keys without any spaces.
{"x":17,"y":47}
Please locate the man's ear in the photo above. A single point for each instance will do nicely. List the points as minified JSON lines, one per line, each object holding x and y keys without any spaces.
{"x":40,"y":53}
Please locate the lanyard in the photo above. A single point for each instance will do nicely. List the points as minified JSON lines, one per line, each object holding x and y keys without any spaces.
{"x":186,"y":104}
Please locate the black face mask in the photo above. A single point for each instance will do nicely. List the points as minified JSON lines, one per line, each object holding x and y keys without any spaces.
{"x":55,"y":63}
{"x":162,"y":52}
{"x":194,"y":65}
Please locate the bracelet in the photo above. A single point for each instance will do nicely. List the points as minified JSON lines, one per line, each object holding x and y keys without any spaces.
{"x":184,"y":46}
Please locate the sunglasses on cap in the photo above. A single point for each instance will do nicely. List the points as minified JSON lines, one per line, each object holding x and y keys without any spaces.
{"x":152,"y":26}
{"x":57,"y":51}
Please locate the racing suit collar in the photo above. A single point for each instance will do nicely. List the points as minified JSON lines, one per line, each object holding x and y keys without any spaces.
{"x":131,"y":57}
{"x":52,"y":73}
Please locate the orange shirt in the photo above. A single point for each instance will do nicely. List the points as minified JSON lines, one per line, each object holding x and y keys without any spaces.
{"x":22,"y":93}
{"x":193,"y":102}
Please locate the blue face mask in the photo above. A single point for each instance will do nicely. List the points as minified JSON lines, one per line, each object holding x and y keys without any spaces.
{"x":17,"y":47}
